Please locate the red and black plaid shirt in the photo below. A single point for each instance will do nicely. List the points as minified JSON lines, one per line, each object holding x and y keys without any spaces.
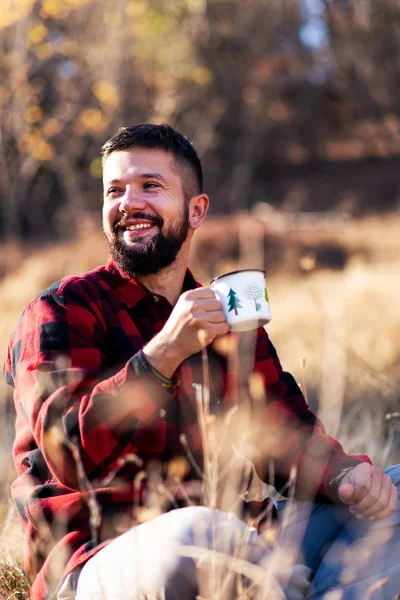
{"x":70,"y":363}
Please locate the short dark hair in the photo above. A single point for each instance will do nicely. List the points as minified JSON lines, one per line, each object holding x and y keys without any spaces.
{"x":164,"y":137}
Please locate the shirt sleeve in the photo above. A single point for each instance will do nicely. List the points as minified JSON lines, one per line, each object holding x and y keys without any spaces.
{"x":59,"y":366}
{"x":293,"y":437}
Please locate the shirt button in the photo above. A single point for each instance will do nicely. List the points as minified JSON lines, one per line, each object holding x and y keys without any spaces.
{"x":156,"y":299}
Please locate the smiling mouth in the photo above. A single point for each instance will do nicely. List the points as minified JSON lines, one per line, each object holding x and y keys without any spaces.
{"x":137,"y":223}
{"x":139,"y":226}
{"x":135,"y":232}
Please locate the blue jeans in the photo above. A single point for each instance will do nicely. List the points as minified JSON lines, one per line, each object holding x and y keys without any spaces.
{"x":344,"y":558}
{"x":360,"y":558}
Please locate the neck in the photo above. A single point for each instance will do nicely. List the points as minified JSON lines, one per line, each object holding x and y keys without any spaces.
{"x":169,"y":281}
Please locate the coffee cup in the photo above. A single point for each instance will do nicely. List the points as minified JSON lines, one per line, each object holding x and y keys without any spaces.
{"x":244,"y":298}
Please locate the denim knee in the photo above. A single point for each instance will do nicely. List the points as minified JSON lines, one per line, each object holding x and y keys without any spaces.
{"x":394,"y":474}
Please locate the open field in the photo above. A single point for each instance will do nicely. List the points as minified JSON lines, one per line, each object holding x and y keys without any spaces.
{"x":336,"y":329}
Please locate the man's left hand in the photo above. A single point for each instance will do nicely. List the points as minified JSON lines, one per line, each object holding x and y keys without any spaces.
{"x":369,"y":491}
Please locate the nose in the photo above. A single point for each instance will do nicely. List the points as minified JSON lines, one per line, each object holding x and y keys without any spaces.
{"x":131,"y":201}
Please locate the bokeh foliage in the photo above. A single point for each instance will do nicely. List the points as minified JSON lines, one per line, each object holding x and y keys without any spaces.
{"x":283,"y":98}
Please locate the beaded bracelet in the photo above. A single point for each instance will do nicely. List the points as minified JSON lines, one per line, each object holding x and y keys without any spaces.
{"x":335,"y":482}
{"x":165,"y":381}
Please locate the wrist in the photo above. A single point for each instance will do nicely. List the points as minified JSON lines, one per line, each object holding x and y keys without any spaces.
{"x":161,"y":356}
{"x":141,"y":363}
{"x":335,"y":482}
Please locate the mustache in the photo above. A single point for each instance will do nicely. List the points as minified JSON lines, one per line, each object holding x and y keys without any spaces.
{"x":154,"y":219}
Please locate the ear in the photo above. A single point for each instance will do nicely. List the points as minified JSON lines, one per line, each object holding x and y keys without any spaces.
{"x":198,"y":207}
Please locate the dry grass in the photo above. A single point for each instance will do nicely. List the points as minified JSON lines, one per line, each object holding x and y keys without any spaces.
{"x":13,"y":584}
{"x":337,"y":330}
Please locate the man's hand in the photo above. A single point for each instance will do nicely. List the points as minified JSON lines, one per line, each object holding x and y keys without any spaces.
{"x":195,"y":310}
{"x":369,"y":492}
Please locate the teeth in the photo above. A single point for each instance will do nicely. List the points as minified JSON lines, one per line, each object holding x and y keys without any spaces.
{"x":139,"y":226}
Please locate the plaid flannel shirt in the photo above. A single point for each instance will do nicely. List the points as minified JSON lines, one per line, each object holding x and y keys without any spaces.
{"x":78,"y":387}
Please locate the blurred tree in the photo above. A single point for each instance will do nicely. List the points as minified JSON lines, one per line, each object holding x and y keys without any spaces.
{"x":293,"y":102}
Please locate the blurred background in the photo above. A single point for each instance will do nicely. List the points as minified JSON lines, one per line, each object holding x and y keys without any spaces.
{"x":294,"y":108}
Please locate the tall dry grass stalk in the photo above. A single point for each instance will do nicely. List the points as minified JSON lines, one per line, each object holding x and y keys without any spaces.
{"x":230,"y":445}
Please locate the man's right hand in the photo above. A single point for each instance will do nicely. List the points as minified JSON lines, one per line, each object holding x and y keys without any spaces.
{"x":196,"y":310}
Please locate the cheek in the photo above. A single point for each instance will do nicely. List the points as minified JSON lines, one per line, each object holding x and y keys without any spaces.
{"x":110,"y":216}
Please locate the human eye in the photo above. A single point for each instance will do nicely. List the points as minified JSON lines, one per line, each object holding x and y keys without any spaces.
{"x":150,"y":185}
{"x":114,"y":191}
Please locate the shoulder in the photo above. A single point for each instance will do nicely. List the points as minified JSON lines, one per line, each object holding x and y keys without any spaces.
{"x":73,"y":297}
{"x":73,"y":289}
{"x":66,"y":305}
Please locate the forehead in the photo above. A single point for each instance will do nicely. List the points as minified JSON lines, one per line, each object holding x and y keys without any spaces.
{"x":131,"y":163}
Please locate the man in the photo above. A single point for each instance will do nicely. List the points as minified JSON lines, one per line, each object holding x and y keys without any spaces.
{"x":106,"y":368}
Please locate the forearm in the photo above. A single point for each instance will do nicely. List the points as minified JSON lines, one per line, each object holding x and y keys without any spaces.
{"x":57,"y":363}
{"x":101,"y":419}
{"x":302,"y":455}
{"x":163,"y":355}
{"x":294,"y":436}
{"x":318,"y":459}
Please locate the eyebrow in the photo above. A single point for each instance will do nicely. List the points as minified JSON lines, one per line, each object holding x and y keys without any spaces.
{"x":143,"y":176}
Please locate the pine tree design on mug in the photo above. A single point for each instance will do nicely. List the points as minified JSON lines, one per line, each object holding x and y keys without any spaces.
{"x":253,"y":292}
{"x":234,"y":301}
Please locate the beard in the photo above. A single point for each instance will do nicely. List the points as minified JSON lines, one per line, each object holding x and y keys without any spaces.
{"x":149,"y":257}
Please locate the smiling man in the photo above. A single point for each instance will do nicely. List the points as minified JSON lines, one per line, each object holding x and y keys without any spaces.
{"x":104,"y":368}
{"x":144,"y":243}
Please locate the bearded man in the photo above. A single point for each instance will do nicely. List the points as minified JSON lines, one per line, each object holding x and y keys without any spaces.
{"x":103,"y":367}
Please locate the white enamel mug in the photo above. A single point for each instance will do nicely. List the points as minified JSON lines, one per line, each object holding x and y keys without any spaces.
{"x":244,"y":298}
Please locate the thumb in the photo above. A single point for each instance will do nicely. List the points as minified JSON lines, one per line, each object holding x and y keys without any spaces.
{"x":346,"y":491}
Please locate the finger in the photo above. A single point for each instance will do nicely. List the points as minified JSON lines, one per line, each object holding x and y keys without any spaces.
{"x":208,"y":304}
{"x":211,"y":332}
{"x":202,"y":292}
{"x":360,"y":478}
{"x":202,"y":319}
{"x":215,"y":316}
{"x":345,"y":492}
{"x":382,"y":501}
{"x":391,"y":506}
{"x":219,"y":329}
{"x":378,"y":494}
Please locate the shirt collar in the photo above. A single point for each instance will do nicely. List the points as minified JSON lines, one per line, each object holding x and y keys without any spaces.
{"x":132,"y":291}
